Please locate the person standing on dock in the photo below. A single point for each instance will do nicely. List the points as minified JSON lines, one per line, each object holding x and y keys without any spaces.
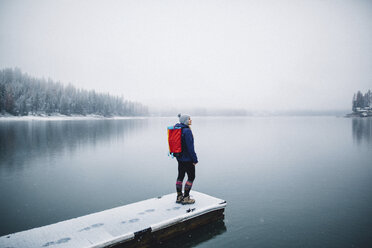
{"x":186,"y":161}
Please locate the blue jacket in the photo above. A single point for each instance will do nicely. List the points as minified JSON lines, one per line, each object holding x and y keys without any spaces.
{"x":188,"y":152}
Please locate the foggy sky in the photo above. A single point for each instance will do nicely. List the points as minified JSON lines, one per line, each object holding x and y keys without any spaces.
{"x":255,"y":55}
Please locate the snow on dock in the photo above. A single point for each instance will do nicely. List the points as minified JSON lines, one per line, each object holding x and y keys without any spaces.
{"x":147,"y":221}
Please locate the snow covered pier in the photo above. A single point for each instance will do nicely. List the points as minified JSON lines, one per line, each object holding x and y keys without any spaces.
{"x":138,"y":224}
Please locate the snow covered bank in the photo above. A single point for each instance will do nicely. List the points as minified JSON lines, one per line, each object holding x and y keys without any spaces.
{"x":64,"y":117}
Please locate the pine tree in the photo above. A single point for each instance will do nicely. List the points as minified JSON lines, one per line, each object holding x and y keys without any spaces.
{"x":2,"y":98}
{"x":359,"y":100}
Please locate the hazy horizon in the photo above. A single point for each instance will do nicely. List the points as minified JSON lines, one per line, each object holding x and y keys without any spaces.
{"x":249,"y":55}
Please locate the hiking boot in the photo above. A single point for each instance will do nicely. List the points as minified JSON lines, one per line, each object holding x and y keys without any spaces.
{"x":179,"y":198}
{"x":187,"y":200}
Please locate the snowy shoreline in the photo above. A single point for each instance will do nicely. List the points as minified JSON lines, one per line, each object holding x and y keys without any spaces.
{"x":65,"y":117}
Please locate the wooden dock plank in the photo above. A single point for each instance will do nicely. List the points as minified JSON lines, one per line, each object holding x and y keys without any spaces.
{"x":122,"y":224}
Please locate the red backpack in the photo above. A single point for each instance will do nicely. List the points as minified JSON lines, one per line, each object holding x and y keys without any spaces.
{"x":174,"y":141}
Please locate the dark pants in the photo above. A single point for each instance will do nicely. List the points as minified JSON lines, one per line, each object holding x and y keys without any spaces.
{"x":186,"y":167}
{"x":183,"y":168}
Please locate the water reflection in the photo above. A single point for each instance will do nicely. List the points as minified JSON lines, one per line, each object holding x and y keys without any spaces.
{"x":196,"y":236}
{"x":22,"y":141}
{"x":362,"y":129}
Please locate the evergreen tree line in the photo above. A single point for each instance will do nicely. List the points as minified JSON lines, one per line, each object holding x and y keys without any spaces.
{"x":21,"y":94}
{"x":362,"y":101}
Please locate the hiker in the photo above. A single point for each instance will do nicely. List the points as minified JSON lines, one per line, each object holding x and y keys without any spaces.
{"x":186,"y":161}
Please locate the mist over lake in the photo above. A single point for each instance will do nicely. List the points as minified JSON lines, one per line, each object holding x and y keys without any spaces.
{"x":87,"y":88}
{"x":288,"y":181}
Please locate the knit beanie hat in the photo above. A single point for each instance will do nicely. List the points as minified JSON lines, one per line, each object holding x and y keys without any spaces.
{"x":184,"y":119}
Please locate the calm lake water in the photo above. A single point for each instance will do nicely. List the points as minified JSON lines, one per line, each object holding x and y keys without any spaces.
{"x":288,"y":181}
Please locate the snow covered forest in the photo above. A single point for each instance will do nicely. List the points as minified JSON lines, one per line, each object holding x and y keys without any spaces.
{"x":21,"y":94}
{"x":362,"y":101}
